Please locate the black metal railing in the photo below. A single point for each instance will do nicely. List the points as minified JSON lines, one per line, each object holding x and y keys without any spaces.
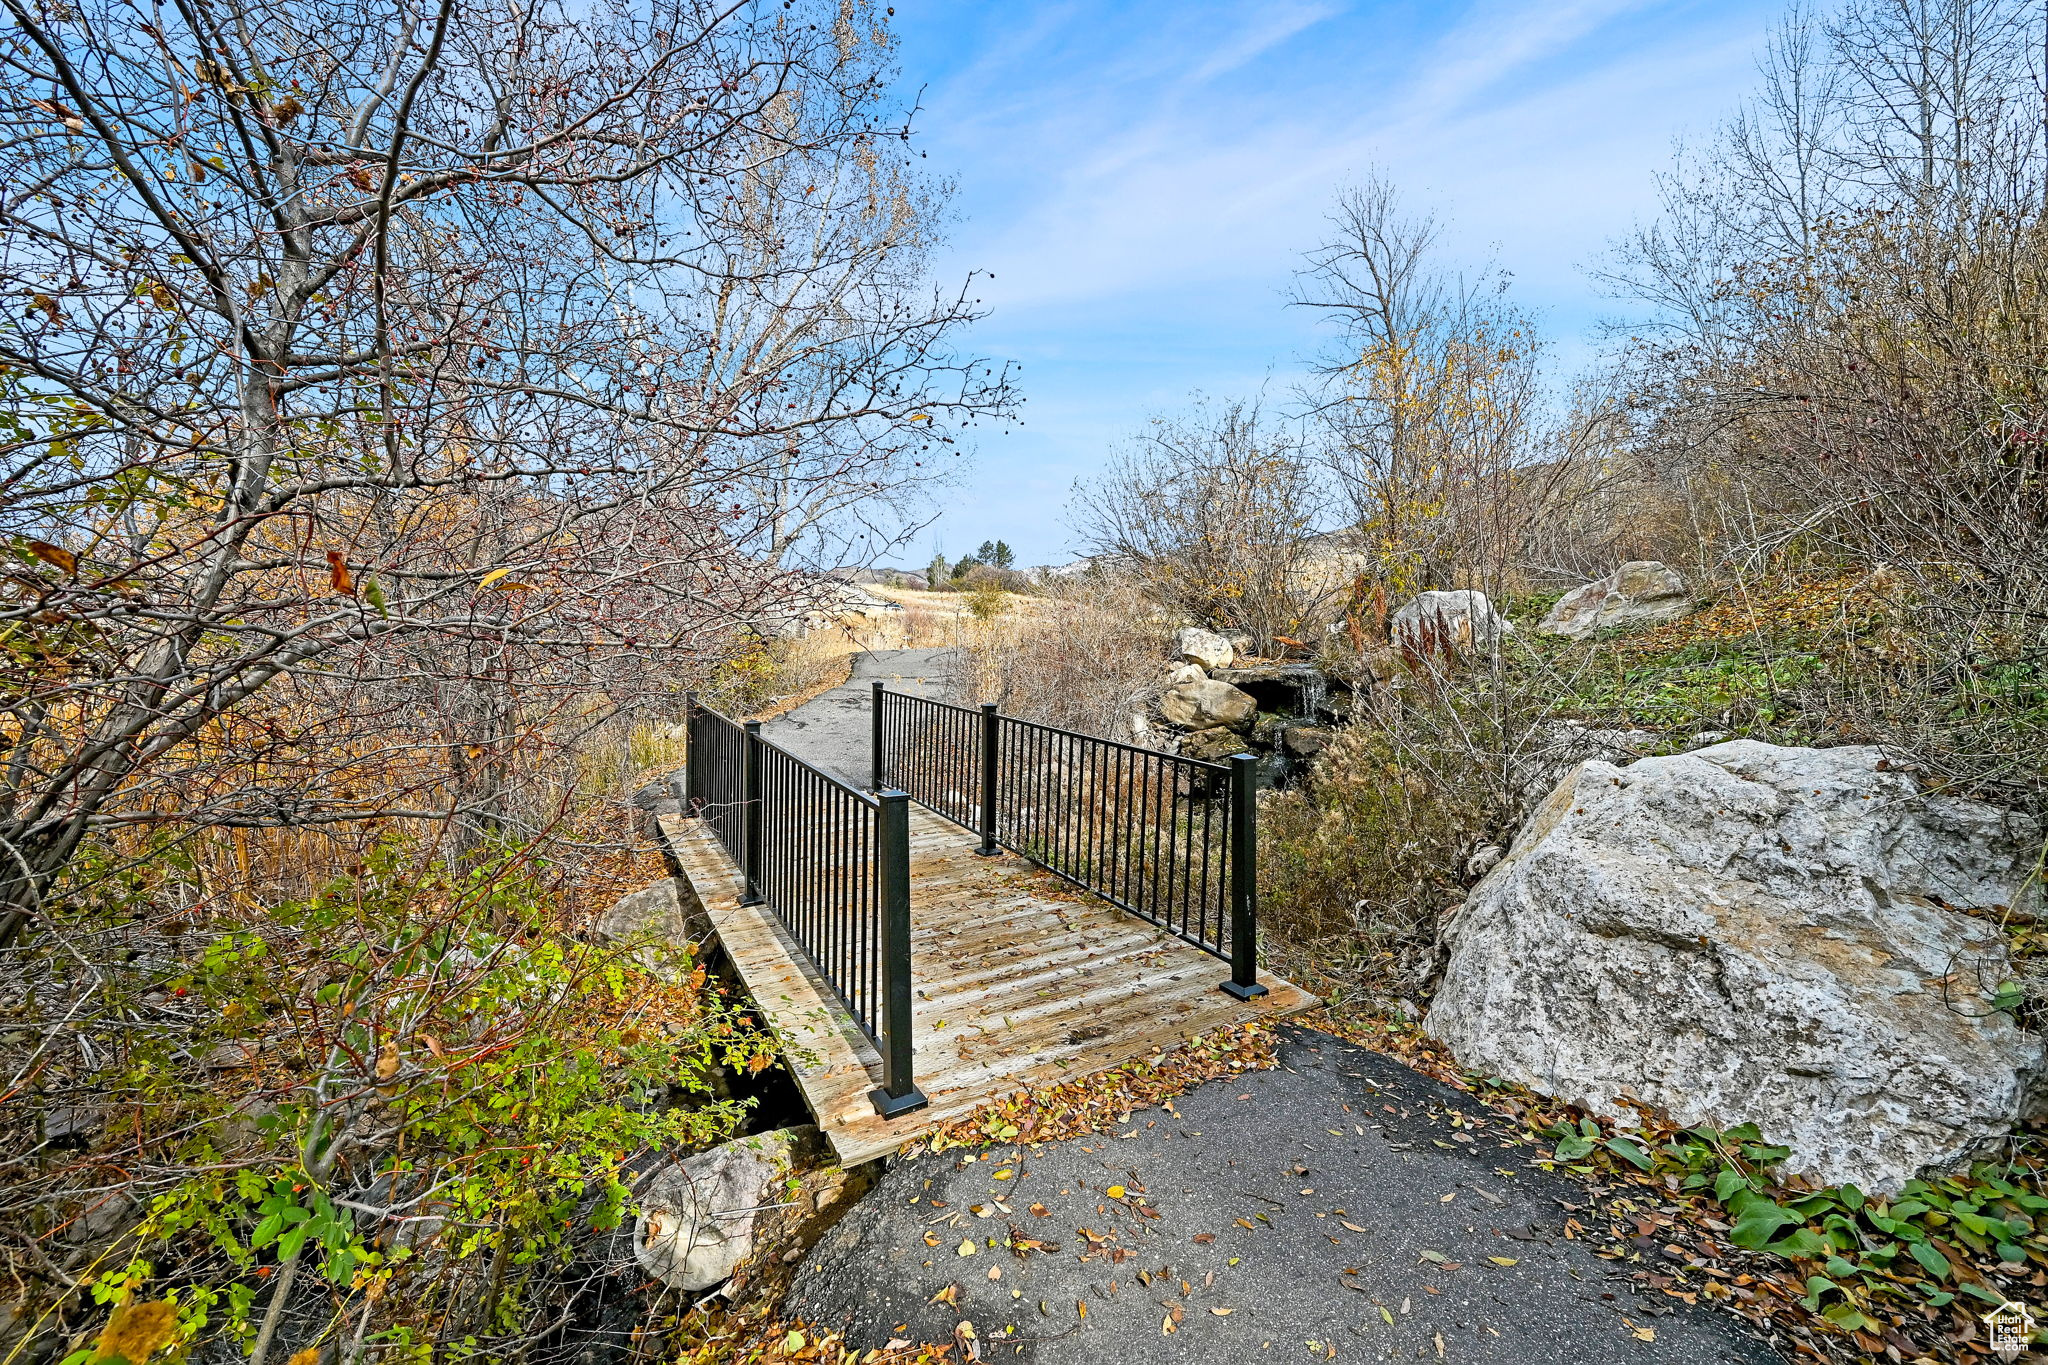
{"x":833,"y":864}
{"x":1170,"y":839}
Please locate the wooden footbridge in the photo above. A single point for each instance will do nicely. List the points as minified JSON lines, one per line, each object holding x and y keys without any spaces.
{"x":905,"y":939}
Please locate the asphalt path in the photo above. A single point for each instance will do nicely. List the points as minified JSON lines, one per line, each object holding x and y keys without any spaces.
{"x":831,"y":731}
{"x":1331,"y":1208}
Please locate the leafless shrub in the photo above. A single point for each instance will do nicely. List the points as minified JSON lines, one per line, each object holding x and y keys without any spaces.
{"x":1087,"y":655}
{"x":1214,"y":513}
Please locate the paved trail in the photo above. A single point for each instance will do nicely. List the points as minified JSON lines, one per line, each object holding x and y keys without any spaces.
{"x":831,"y":730}
{"x":1336,"y":1140}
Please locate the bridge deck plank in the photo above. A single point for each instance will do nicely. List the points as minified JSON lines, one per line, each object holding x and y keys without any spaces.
{"x":1017,"y":979}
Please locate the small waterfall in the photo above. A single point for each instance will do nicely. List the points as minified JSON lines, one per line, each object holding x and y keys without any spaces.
{"x":1315,"y":694}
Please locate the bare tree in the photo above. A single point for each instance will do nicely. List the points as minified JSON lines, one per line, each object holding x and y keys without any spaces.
{"x":1214,"y":511}
{"x":1842,"y":361}
{"x":1431,"y":402}
{"x":378,"y":343}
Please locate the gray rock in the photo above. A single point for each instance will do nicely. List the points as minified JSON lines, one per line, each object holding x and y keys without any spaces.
{"x":1307,"y":741}
{"x":1217,"y":742}
{"x":1640,"y":592}
{"x":1199,"y":705}
{"x":1185,"y":673}
{"x":1204,"y":648}
{"x":698,"y":1217}
{"x":1437,"y":623}
{"x":1755,"y":933}
{"x":654,"y":921}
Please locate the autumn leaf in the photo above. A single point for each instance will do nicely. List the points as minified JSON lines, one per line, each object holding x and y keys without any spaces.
{"x":338,"y":576}
{"x":137,"y":1331}
{"x":309,"y":1356}
{"x":966,"y":1247}
{"x":54,"y":554}
{"x":492,"y":577}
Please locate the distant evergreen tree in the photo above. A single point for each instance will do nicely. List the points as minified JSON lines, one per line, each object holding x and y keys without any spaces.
{"x":1001,"y":556}
{"x":987,"y":553}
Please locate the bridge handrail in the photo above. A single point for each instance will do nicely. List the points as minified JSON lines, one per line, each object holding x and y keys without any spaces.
{"x":830,"y":861}
{"x":1165,"y":837}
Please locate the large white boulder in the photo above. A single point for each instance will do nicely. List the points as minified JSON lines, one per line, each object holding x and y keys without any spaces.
{"x":1640,"y":592}
{"x":1199,"y":705}
{"x":698,"y":1218}
{"x":1446,"y":623}
{"x":1204,"y":647}
{"x":1755,"y":933}
{"x":653,"y":923}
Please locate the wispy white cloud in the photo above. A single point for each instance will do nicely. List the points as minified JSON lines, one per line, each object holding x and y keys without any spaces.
{"x":1142,"y":176}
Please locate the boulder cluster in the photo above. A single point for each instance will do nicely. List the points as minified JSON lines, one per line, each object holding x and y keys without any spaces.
{"x":1214,"y":702}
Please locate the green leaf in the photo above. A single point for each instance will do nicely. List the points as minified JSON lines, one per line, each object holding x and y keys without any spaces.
{"x":1932,"y":1261}
{"x":2011,"y":1254}
{"x":1628,"y":1150}
{"x":1845,"y":1316}
{"x":1852,"y":1198}
{"x":1758,"y":1224}
{"x":1803,"y":1244}
{"x":1572,"y":1148}
{"x":1978,"y":1291}
{"x":1727,"y":1183}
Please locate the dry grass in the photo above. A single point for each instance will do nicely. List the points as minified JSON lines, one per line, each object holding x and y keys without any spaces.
{"x":1085,"y":656}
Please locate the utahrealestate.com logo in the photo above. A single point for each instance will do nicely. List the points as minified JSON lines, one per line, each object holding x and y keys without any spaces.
{"x":2008,"y":1328}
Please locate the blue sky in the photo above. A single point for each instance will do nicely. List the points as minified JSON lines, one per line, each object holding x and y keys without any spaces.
{"x":1142,"y":177}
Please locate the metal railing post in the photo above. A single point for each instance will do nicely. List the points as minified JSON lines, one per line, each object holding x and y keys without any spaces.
{"x":682,"y":785}
{"x":877,"y":760}
{"x":898,"y":1093}
{"x":989,"y":848}
{"x":1244,"y":879}
{"x":750,"y":795}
